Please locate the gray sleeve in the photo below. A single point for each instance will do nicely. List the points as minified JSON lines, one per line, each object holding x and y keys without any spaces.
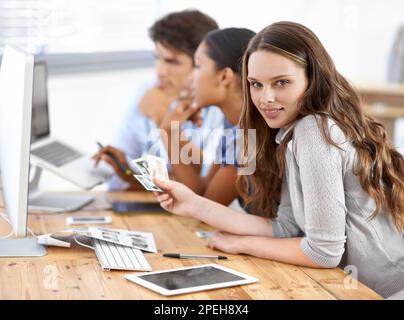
{"x":285,"y":226}
{"x":320,"y":166}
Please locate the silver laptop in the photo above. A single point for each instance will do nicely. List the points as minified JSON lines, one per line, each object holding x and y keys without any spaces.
{"x":54,"y":155}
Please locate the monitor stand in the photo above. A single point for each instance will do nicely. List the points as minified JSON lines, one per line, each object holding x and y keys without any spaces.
{"x":21,"y":247}
{"x":53,"y":202}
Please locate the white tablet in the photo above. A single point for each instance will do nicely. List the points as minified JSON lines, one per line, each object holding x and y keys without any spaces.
{"x":184,"y":280}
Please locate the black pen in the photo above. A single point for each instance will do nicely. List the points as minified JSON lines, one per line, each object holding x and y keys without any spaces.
{"x":192,"y":256}
{"x":127,"y":171}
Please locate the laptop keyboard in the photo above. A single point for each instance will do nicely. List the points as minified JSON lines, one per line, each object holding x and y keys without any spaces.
{"x":56,"y":153}
{"x":115,"y":256}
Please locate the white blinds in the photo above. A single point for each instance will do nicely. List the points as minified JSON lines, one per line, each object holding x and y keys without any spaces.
{"x":23,"y":24}
{"x":65,"y":26}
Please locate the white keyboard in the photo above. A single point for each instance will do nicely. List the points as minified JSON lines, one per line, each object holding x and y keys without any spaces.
{"x":115,"y":256}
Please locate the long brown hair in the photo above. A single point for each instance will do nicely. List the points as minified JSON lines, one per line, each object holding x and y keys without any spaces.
{"x":380,"y":168}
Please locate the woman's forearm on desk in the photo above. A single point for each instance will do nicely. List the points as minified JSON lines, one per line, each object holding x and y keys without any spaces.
{"x":228,"y":220}
{"x":287,"y":250}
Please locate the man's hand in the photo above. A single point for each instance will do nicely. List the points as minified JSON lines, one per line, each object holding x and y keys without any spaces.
{"x":155,"y":103}
{"x":105,"y":155}
{"x":184,"y":111}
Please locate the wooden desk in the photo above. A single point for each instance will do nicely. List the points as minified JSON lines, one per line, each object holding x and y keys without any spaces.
{"x":74,"y":273}
{"x":385,"y":102}
{"x":389,"y":93}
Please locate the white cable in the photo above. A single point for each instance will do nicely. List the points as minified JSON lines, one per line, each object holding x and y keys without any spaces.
{"x":82,"y":244}
{"x":5,"y":218}
{"x":32,"y":232}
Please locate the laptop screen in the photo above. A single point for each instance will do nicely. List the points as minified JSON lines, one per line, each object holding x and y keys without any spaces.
{"x":40,"y":115}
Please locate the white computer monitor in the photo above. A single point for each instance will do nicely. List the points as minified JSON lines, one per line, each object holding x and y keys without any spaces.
{"x":16,"y":82}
